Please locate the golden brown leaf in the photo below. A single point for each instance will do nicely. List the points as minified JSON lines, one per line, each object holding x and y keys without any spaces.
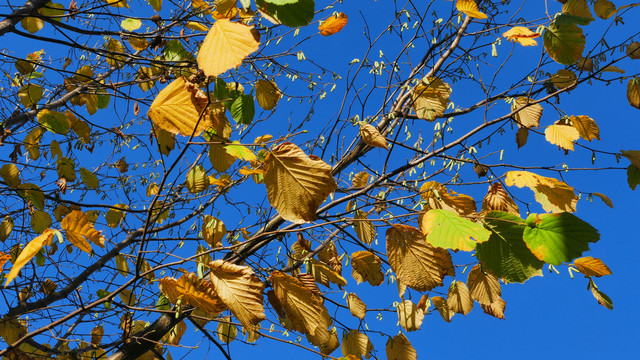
{"x":416,"y":263}
{"x":497,"y":199}
{"x":563,"y":78}
{"x":227,"y":331}
{"x":428,"y":102}
{"x":521,"y":137}
{"x":633,"y":92}
{"x":325,"y":275}
{"x":356,"y":343}
{"x":360,"y":179}
{"x":29,"y":251}
{"x":409,"y":316}
{"x":304,"y":309}
{"x":577,"y":8}
{"x":399,"y":348}
{"x":178,"y":108}
{"x":96,"y":335}
{"x":192,"y":291}
{"x":484,"y":287}
{"x":553,"y":195}
{"x":225,"y":47}
{"x":364,"y":228}
{"x":356,"y":306}
{"x":604,"y":9}
{"x":296,"y":183}
{"x":442,"y":306}
{"x":530,"y":115}
{"x":459,"y":299}
{"x":633,"y":51}
{"x":240,"y":290}
{"x":495,"y":309}
{"x":267,"y":94}
{"x":366,"y":267}
{"x":331,"y":345}
{"x":590,"y":266}
{"x":586,"y":126}
{"x":439,"y":197}
{"x":333,"y":24}
{"x":78,"y":230}
{"x":372,"y":137}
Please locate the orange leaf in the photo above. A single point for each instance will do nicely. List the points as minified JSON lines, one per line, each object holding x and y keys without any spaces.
{"x":333,"y":24}
{"x":590,"y":266}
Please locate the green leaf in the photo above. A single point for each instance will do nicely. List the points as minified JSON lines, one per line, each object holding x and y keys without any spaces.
{"x":239,"y":151}
{"x":89,"y":178}
{"x":243,"y":109}
{"x":558,"y":238}
{"x":633,"y":176}
{"x":33,"y":193}
{"x":11,"y":175}
{"x":564,"y":42}
{"x":197,"y":180}
{"x":505,"y":254}
{"x":174,"y":51}
{"x":131,"y":24}
{"x":156,"y":4}
{"x":163,"y":303}
{"x":292,"y":13}
{"x":40,"y":221}
{"x":103,"y":100}
{"x":102,"y":294}
{"x":448,"y":230}
{"x":54,"y":121}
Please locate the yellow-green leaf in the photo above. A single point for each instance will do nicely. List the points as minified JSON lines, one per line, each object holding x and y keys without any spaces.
{"x":89,"y":178}
{"x":564,"y":42}
{"x":11,"y":175}
{"x":447,"y":230}
{"x":240,"y":151}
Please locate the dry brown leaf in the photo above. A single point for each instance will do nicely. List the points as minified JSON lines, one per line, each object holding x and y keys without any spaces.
{"x":372,"y":137}
{"x":497,"y":199}
{"x":192,"y":291}
{"x":530,"y":115}
{"x":366,"y":267}
{"x":240,"y":290}
{"x":304,"y":309}
{"x":484,"y":287}
{"x":459,"y":299}
{"x":296,"y":183}
{"x":399,"y":348}
{"x":416,"y":263}
{"x":409,"y":316}
{"x":356,"y":306}
{"x":495,"y":309}
{"x":442,"y":306}
{"x":590,"y":266}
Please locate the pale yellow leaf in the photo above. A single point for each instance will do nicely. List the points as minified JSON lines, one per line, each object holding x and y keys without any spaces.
{"x":459,"y":299}
{"x":590,"y":266}
{"x":409,"y":316}
{"x":29,"y":251}
{"x":240,"y":290}
{"x":177,"y":109}
{"x":122,"y":265}
{"x":470,"y":8}
{"x":553,"y":195}
{"x":227,"y":44}
{"x":356,"y":343}
{"x":484,"y":287}
{"x":528,"y":116}
{"x":372,"y":137}
{"x":416,"y":263}
{"x":399,"y":348}
{"x":356,"y":306}
{"x":297,"y":184}
{"x":562,"y":135}
{"x":366,"y":267}
{"x":428,"y":102}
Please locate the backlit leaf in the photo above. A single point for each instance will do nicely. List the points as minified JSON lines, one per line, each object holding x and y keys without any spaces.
{"x":470,"y":8}
{"x":399,"y":348}
{"x":356,"y":343}
{"x":227,"y":44}
{"x":29,"y":251}
{"x":563,"y":78}
{"x":586,"y":126}
{"x":177,"y":110}
{"x":562,"y":135}
{"x":242,"y":109}
{"x":459,"y":299}
{"x":528,"y":116}
{"x":192,"y":291}
{"x":54,"y":121}
{"x":220,"y":159}
{"x":364,"y":227}
{"x":578,"y":8}
{"x":356,"y":306}
{"x":360,"y":179}
{"x":497,"y":199}
{"x":96,"y":335}
{"x":333,"y":24}
{"x":32,"y":142}
{"x":296,"y":183}
{"x":305,"y":310}
{"x":197,"y":180}
{"x":78,"y":230}
{"x":522,"y":35}
{"x":447,"y":230}
{"x":428,"y":102}
{"x":604,"y":9}
{"x":325,"y":275}
{"x":590,"y":266}
{"x":558,"y":238}
{"x":442,"y":306}
{"x":495,"y":309}
{"x":409,"y":316}
{"x":439,"y":197}
{"x":564,"y":42}
{"x":484,"y":287}
{"x":227,"y":331}
{"x":32,"y":24}
{"x":241,"y":152}
{"x":553,"y":195}
{"x":292,"y":13}
{"x":366,"y":267}
{"x":10,"y":175}
{"x":122,"y":265}
{"x":240,"y":290}
{"x":30,"y":94}
{"x":372,"y":137}
{"x":89,"y":179}
{"x":267,"y":94}
{"x":213,"y":230}
{"x":416,"y":263}
{"x":633,"y":92}
{"x":114,"y":215}
{"x":131,"y":24}
{"x":505,"y":254}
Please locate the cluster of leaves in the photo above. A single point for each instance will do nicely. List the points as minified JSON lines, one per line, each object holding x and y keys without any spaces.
{"x":222,"y":255}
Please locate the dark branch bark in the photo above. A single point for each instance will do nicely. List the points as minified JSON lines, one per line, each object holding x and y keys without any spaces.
{"x":8,"y":24}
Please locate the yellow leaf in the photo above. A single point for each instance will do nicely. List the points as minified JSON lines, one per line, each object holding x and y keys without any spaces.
{"x":530,"y":115}
{"x":267,"y":94}
{"x":302,"y":307}
{"x":324,"y":275}
{"x":364,"y":227}
{"x":197,"y":180}
{"x":114,"y":215}
{"x":356,"y":343}
{"x":522,"y":35}
{"x":174,"y":336}
{"x":586,"y":126}
{"x":495,"y":309}
{"x":227,"y":44}
{"x":563,"y":78}
{"x":366,"y":267}
{"x":227,"y":331}
{"x":439,"y":197}
{"x":333,"y":24}
{"x":117,"y":3}
{"x":470,"y":8}
{"x":32,"y":142}
{"x":128,"y":297}
{"x":553,"y":195}
{"x":590,"y":266}
{"x":633,"y":92}
{"x":213,"y":230}
{"x":356,"y":306}
{"x":30,"y":94}
{"x":29,"y":251}
{"x":6,"y":227}
{"x":138,"y":43}
{"x":604,"y":9}
{"x":77,"y":227}
{"x":399,"y":348}
{"x":10,"y":175}
{"x":177,"y":109}
{"x":458,"y":299}
{"x":497,"y":199}
{"x":240,"y":152}
{"x":360,"y":179}
{"x":220,"y":159}
{"x":416,"y":263}
{"x":240,"y":290}
{"x":409,"y":316}
{"x":263,"y":139}
{"x":32,"y":24}
{"x":192,"y":291}
{"x":331,"y":345}
{"x":372,"y":137}
{"x":122,"y":265}
{"x":297,"y":184}
{"x":116,"y":55}
{"x":562,"y":135}
{"x":484,"y":287}
{"x":428,"y":102}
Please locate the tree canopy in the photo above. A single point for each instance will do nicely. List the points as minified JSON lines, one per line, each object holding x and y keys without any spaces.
{"x":292,"y":170}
